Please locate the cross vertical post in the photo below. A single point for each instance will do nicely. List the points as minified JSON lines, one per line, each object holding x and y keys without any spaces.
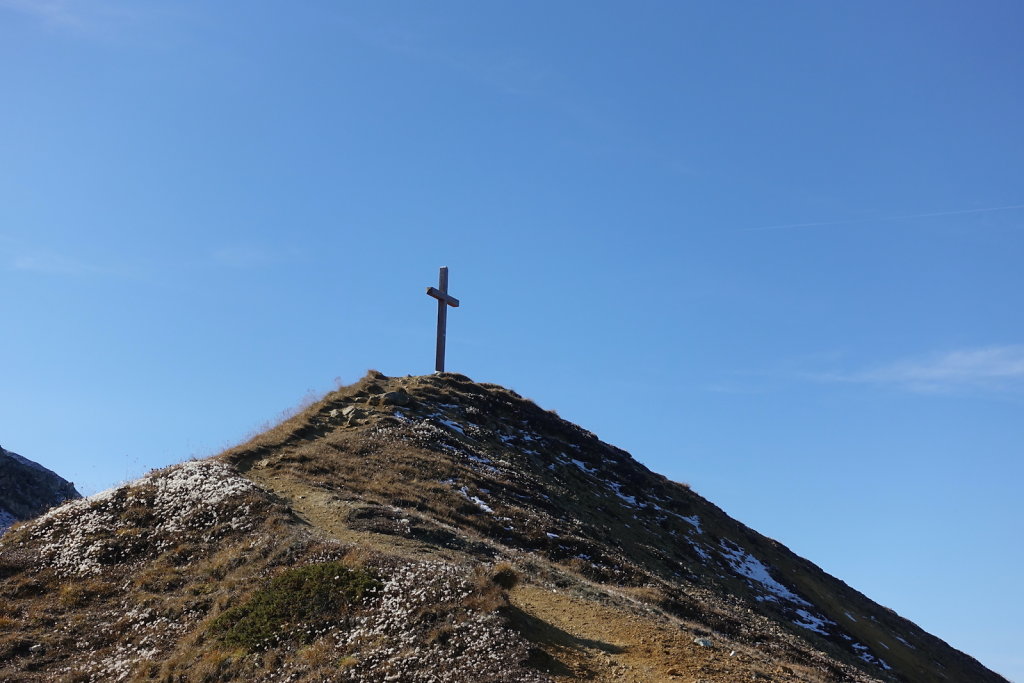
{"x":444,"y":300}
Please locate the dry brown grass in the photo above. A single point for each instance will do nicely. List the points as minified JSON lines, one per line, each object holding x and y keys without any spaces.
{"x":613,"y":574}
{"x":80,"y":593}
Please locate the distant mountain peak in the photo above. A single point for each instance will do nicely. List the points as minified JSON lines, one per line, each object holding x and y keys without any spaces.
{"x":27,"y":489}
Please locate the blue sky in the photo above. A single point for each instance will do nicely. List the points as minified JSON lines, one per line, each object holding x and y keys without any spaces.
{"x":772,"y":249}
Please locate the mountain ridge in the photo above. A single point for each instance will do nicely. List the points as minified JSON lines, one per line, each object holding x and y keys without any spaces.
{"x":620,"y":574}
{"x":27,"y":489}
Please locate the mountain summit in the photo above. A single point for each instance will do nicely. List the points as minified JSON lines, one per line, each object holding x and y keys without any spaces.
{"x":28,"y":489}
{"x":431,"y":529}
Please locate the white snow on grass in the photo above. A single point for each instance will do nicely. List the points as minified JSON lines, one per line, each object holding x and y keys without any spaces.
{"x":617,"y":487}
{"x":905,"y":643}
{"x":519,"y":435}
{"x":451,"y":425}
{"x":699,"y":550}
{"x":861,"y":651}
{"x":473,"y":457}
{"x":747,"y":565}
{"x":440,"y":438}
{"x":811,"y":622}
{"x":693,"y":520}
{"x":474,"y":499}
{"x":583,"y":466}
{"x":850,"y":616}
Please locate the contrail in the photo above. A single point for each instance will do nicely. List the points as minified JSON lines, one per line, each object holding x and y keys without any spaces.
{"x":883,"y":218}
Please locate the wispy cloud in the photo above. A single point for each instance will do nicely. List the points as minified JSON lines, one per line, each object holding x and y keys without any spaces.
{"x":991,"y":368}
{"x":49,"y":263}
{"x":48,"y":11}
{"x":930,"y":214}
{"x":57,"y":13}
{"x":92,"y":18}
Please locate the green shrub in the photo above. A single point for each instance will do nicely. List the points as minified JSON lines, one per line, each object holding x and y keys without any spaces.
{"x":295,"y":605}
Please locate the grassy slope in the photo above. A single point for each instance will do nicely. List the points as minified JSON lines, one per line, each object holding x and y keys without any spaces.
{"x":620,"y":569}
{"x":565,"y":512}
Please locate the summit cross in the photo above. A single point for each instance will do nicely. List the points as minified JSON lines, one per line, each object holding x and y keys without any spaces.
{"x":444,"y":300}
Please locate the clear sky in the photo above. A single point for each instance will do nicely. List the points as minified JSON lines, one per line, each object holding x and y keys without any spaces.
{"x":775,"y":250}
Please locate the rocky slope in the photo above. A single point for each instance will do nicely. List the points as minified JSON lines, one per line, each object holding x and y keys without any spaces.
{"x":431,"y":529}
{"x":27,"y":489}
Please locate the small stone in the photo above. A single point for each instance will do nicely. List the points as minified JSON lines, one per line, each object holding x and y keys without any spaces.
{"x":703,"y":642}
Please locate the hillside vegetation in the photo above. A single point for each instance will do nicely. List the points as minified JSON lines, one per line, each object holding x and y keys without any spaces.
{"x":431,"y":529}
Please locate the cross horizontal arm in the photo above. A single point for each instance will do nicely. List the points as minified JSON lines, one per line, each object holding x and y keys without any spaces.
{"x":443,"y":296}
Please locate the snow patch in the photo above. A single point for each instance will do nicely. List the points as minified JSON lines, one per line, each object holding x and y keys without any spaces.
{"x":861,"y":651}
{"x":811,"y":622}
{"x":451,"y":425}
{"x":905,"y":643}
{"x":474,"y":499}
{"x":747,"y":565}
{"x":693,"y":520}
{"x":583,"y":466}
{"x":617,"y":487}
{"x":699,"y":550}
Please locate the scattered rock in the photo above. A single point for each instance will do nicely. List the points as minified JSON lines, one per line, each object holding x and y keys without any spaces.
{"x":395,"y":398}
{"x":703,"y":642}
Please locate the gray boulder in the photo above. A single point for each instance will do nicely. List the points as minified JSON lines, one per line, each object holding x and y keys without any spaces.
{"x":395,"y":398}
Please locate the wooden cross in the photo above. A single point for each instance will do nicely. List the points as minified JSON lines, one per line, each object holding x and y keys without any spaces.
{"x":444,"y":300}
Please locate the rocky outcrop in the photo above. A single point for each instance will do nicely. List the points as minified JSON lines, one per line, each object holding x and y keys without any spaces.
{"x":27,"y":489}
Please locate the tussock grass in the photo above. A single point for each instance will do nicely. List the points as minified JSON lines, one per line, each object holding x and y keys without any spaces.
{"x":294,"y":605}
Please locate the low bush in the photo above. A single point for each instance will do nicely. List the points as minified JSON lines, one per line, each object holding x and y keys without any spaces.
{"x":295,"y":605}
{"x":505,"y":575}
